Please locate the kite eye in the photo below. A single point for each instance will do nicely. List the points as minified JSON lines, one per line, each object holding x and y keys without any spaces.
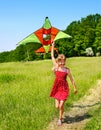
{"x":46,"y":37}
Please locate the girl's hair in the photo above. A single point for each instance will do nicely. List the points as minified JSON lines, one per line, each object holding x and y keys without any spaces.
{"x":61,"y":57}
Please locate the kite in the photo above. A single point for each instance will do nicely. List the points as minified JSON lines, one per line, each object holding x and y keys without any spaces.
{"x":45,"y":35}
{"x":42,"y":50}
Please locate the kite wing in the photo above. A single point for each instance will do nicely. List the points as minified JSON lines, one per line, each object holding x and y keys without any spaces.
{"x":61,"y":35}
{"x":31,"y":38}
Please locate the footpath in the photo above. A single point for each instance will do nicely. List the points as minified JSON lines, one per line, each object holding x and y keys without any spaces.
{"x":77,"y":116}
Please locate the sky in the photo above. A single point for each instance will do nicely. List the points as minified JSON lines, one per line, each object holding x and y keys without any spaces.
{"x":19,"y":18}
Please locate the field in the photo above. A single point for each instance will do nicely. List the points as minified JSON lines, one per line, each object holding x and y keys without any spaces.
{"x":25,"y":88}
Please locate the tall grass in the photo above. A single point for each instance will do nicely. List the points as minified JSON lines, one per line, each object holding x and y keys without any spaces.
{"x":25,"y":88}
{"x":95,"y":122}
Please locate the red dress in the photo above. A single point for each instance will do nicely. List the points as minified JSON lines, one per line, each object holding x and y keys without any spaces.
{"x":60,"y":89}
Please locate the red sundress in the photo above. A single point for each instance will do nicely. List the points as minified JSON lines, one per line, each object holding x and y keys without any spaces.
{"x":60,"y":89}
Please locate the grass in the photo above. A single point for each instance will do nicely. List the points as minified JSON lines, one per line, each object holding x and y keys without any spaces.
{"x":25,"y":88}
{"x":95,"y":122}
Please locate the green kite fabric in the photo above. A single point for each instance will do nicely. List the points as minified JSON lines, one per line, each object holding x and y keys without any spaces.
{"x":47,"y":24}
{"x":61,"y":35}
{"x":32,"y":37}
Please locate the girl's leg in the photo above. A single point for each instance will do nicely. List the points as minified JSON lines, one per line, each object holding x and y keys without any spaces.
{"x":61,"y":107}
{"x":57,"y":102}
{"x":61,"y":110}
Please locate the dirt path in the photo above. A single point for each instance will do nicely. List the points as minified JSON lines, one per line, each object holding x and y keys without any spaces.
{"x":77,"y":117}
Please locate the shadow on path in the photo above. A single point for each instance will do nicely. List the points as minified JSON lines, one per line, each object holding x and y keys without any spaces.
{"x":77,"y":118}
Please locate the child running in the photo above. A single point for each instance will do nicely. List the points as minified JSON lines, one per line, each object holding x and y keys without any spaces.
{"x":60,"y":89}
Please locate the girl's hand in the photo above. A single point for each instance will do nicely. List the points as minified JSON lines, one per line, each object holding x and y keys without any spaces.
{"x":52,"y":42}
{"x":75,"y":91}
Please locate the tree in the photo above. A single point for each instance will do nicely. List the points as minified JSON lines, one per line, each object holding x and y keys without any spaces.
{"x":98,"y":37}
{"x":3,"y":56}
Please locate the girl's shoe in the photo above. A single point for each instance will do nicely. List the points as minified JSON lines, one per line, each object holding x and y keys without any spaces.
{"x":59,"y":123}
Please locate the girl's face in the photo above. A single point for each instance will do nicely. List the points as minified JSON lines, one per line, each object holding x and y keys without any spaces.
{"x":61,"y":62}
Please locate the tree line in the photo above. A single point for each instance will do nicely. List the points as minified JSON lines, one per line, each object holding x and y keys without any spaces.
{"x":85,"y":41}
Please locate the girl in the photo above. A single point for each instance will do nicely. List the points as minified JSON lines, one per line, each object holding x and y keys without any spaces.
{"x":60,"y":89}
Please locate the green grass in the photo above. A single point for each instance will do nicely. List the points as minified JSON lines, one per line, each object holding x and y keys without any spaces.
{"x":95,"y":122}
{"x":25,"y":89}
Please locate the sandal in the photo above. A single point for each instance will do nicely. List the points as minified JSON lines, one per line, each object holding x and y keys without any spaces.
{"x":59,"y":123}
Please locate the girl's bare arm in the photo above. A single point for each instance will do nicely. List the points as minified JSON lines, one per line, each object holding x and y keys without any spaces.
{"x":52,"y":55}
{"x":72,"y":81}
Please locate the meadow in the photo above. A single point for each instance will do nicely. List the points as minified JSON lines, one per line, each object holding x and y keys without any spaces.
{"x":25,"y":87}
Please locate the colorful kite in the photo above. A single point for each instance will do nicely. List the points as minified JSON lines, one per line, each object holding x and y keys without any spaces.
{"x":42,"y":50}
{"x":45,"y":35}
